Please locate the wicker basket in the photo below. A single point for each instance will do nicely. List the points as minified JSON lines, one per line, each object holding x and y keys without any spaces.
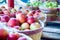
{"x":51,"y":17}
{"x":49,"y":10}
{"x":34,"y":34}
{"x":51,"y":13}
{"x":12,"y":30}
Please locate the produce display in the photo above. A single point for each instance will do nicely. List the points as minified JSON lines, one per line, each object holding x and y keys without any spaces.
{"x":35,"y":4}
{"x":50,"y":9}
{"x":48,"y":4}
{"x":27,"y":20}
{"x":5,"y":35}
{"x":23,"y":21}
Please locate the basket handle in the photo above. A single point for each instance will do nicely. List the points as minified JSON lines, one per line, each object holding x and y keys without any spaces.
{"x":42,"y":23}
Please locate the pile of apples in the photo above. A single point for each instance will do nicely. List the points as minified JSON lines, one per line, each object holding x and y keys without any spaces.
{"x":35,"y":4}
{"x":4,"y":35}
{"x":49,"y":4}
{"x":26,"y":20}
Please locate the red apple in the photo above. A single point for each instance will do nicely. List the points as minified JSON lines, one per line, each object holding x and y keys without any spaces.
{"x":25,"y":26}
{"x":13,"y":22}
{"x":26,"y":11}
{"x":33,"y":12}
{"x":22,"y":38}
{"x":36,"y":15}
{"x":5,"y":18}
{"x":13,"y":36}
{"x":9,"y":8}
{"x":2,"y":7}
{"x":3,"y":34}
{"x":18,"y":12}
{"x":29,"y":14}
{"x":13,"y":15}
{"x":21,"y":17}
{"x":6,"y":12}
{"x":1,"y":12}
{"x":38,"y":11}
{"x":30,"y":20}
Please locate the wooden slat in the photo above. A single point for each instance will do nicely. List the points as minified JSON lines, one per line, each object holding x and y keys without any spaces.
{"x":51,"y":35}
{"x":51,"y":30}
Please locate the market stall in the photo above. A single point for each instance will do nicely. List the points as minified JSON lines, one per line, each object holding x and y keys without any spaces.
{"x":33,"y":18}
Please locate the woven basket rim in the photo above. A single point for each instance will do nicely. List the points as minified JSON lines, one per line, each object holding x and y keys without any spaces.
{"x":48,"y":8}
{"x":31,"y":32}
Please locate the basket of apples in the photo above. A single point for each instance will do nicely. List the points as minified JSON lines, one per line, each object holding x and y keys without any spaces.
{"x":5,"y":35}
{"x":28,"y":23}
{"x":34,"y":5}
{"x":50,"y":8}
